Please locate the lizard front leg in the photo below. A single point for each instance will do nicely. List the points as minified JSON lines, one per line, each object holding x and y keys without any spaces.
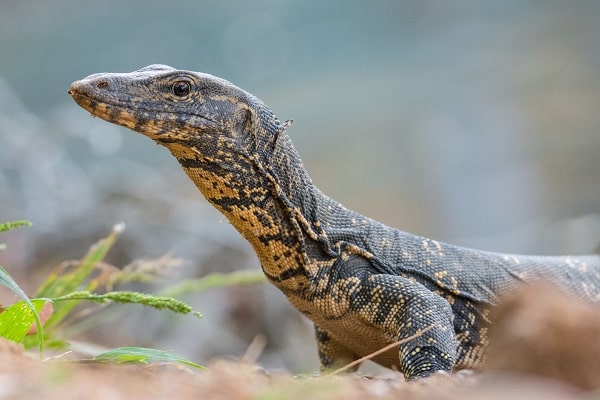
{"x":332,"y":353}
{"x":404,"y":308}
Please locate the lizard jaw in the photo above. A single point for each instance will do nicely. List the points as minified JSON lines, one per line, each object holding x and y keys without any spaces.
{"x":88,"y":94}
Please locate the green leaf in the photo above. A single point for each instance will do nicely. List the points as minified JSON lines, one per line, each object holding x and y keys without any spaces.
{"x":215,"y":280}
{"x":142,"y":355}
{"x":17,"y":319}
{"x":7,"y":226}
{"x":9,"y":282}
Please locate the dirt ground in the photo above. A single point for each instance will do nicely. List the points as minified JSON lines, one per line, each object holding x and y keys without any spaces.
{"x":546,"y":347}
{"x":23,"y":377}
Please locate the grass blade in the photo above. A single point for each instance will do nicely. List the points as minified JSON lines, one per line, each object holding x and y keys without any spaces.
{"x":60,"y":285}
{"x":158,"y":302}
{"x":7,"y":226}
{"x":142,"y":355}
{"x":215,"y":280}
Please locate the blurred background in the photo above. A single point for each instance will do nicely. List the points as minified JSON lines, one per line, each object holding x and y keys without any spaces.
{"x":475,"y":123}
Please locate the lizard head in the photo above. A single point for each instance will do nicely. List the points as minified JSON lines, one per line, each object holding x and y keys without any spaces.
{"x":180,"y":109}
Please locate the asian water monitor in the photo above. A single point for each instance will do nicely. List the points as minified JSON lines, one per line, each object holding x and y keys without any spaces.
{"x":363,"y":284}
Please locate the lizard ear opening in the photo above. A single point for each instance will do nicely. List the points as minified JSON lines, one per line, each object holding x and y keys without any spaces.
{"x":241,"y":126}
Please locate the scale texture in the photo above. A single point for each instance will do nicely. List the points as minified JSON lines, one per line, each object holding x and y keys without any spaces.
{"x":364,"y":285}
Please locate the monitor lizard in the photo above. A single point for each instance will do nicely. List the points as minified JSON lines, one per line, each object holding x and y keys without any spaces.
{"x":364,"y":285}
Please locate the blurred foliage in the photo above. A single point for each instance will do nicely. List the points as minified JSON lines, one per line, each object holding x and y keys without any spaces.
{"x":142,"y":355}
{"x":215,"y":280}
{"x":63,"y":291}
{"x":7,"y":226}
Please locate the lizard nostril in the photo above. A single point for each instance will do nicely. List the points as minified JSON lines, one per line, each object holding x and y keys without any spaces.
{"x":73,"y":88}
{"x":102,"y":85}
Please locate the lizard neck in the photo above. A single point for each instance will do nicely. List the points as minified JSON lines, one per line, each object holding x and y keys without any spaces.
{"x":270,"y":199}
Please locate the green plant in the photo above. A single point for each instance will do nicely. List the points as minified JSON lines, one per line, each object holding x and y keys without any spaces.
{"x":64,"y":289}
{"x":16,"y":320}
{"x":91,"y":279}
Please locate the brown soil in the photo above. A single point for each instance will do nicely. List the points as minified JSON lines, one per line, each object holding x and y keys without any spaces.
{"x":522,"y":366}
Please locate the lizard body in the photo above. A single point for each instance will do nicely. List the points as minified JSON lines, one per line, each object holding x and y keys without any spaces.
{"x":364,"y":285}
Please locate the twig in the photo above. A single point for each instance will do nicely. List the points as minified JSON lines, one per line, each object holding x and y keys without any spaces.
{"x":255,"y":349}
{"x":383,"y":350}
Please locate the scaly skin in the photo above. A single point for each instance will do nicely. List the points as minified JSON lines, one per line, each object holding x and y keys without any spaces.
{"x":364,"y":285}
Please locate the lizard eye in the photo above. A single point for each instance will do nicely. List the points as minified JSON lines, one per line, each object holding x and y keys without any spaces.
{"x":181,"y":88}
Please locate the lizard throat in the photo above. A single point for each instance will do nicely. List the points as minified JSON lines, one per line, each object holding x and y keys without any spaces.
{"x":253,"y":203}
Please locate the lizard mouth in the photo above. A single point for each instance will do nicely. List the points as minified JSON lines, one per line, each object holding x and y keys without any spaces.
{"x":148,"y":121}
